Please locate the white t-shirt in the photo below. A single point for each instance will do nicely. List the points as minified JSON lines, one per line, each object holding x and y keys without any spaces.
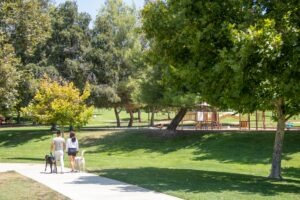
{"x":71,"y":144}
{"x":58,"y":143}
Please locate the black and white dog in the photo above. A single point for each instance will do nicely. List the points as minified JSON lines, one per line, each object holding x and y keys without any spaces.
{"x":49,"y":159}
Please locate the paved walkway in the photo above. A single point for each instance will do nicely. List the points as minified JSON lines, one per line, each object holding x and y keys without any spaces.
{"x":84,"y":186}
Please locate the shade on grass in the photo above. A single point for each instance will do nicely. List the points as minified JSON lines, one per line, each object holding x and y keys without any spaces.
{"x":190,"y":166}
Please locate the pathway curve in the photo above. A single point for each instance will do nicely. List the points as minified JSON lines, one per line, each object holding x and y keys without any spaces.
{"x":85,"y":186}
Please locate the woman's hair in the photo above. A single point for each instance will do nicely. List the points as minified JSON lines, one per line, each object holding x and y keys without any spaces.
{"x":72,"y":136}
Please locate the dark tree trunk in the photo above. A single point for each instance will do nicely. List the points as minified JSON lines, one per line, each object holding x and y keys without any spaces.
{"x":19,"y":117}
{"x":169,"y":117}
{"x":71,"y":128}
{"x":117,"y":116}
{"x":139,"y":116}
{"x":277,"y":151}
{"x":152,"y":116}
{"x":130,"y":123}
{"x":53,"y":127}
{"x":177,"y":119}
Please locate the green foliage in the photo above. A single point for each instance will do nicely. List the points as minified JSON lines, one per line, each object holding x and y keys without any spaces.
{"x":9,"y":76}
{"x":8,"y":64}
{"x":60,"y":103}
{"x":27,"y":24}
{"x":114,"y":58}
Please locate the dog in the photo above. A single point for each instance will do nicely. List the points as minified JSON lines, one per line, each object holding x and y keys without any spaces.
{"x":80,"y":162}
{"x":49,"y":159}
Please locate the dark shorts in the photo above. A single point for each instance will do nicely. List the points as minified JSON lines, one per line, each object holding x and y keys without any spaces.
{"x":72,"y":151}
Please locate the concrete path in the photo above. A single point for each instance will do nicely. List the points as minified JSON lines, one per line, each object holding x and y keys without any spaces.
{"x":84,"y":186}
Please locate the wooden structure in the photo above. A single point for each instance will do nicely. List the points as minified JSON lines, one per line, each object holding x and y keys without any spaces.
{"x":204,"y":117}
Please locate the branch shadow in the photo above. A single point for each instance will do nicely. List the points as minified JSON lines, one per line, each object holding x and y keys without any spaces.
{"x":198,"y":181}
{"x":27,"y":158}
{"x":291,"y":172}
{"x":13,"y":138}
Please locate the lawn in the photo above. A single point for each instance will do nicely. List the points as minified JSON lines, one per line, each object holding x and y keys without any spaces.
{"x":10,"y":182}
{"x":106,"y":117}
{"x":190,"y":166}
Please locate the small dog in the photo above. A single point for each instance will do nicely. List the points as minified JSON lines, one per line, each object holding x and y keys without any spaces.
{"x":80,"y":162}
{"x":49,"y":159}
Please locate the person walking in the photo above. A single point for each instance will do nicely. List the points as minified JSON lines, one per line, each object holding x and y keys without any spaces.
{"x":58,"y":145}
{"x":72,"y":149}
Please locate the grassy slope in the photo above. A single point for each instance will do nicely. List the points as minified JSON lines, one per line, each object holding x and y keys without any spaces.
{"x":10,"y":182}
{"x":196,"y":166}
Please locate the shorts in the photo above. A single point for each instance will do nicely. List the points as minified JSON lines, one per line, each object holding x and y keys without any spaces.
{"x":72,"y":151}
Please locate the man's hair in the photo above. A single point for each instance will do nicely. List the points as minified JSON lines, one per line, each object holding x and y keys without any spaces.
{"x":58,"y":132}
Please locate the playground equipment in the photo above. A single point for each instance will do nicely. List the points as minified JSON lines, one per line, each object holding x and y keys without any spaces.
{"x":209,"y":118}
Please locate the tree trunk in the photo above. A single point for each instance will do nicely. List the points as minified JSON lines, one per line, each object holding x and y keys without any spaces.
{"x":131,"y":119}
{"x":169,"y":117}
{"x":71,"y":128}
{"x":176,"y":120}
{"x":152,"y":116}
{"x":277,"y":151}
{"x":53,"y":127}
{"x":139,"y":116}
{"x":18,"y":117}
{"x":117,"y":116}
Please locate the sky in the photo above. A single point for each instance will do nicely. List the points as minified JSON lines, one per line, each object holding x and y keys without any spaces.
{"x":93,"y":6}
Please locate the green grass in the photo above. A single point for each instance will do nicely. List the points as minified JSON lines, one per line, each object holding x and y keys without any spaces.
{"x":106,"y":117}
{"x":189,"y":166}
{"x":10,"y":182}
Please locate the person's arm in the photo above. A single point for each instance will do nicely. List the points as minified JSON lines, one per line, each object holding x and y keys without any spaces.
{"x":77,"y":145}
{"x":64,"y":145}
{"x":67,"y":145}
{"x":52,"y":146}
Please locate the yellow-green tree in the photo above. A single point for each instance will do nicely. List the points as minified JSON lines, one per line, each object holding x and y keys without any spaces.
{"x":61,"y":103}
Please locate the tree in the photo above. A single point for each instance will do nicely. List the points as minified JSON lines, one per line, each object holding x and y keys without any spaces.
{"x":60,"y":103}
{"x":113,"y":58}
{"x":242,"y":55}
{"x":9,"y":76}
{"x":26,"y":26}
{"x":70,"y":39}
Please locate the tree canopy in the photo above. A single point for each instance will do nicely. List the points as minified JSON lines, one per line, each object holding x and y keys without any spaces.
{"x":60,"y":103}
{"x":242,"y":55}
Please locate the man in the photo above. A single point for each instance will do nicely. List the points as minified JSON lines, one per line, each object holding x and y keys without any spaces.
{"x":58,"y":145}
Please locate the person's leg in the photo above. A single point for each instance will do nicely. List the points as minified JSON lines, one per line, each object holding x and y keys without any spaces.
{"x":73,"y":163}
{"x":59,"y":155}
{"x":70,"y":159}
{"x":61,"y":158}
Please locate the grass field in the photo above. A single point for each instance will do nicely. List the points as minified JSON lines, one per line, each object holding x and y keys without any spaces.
{"x":189,"y":166}
{"x":10,"y":182}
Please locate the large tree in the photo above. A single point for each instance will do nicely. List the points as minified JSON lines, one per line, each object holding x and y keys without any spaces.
{"x":9,"y":75}
{"x":242,"y":55}
{"x":69,"y":41}
{"x":114,"y":55}
{"x":26,"y":25}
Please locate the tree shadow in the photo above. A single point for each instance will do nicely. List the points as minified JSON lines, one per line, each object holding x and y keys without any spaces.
{"x":26,"y":159}
{"x":12,"y":138}
{"x":198,"y":181}
{"x":238,"y":147}
{"x":291,"y":172}
{"x":131,"y":140}
{"x":247,"y":148}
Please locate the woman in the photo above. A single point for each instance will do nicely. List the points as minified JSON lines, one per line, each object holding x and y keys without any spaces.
{"x":72,"y":148}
